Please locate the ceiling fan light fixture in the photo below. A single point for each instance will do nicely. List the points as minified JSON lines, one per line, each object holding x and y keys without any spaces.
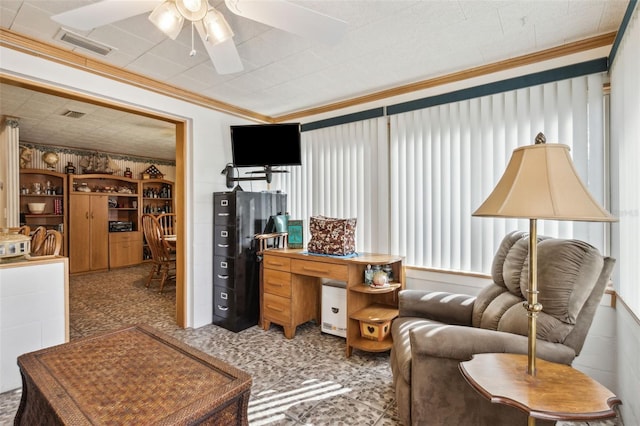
{"x":193,"y":10}
{"x":216,"y":27}
{"x":168,"y":19}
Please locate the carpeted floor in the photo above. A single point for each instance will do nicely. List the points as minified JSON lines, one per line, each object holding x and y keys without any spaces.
{"x":303,"y":381}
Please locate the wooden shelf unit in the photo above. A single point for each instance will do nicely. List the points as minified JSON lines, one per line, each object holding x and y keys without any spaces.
{"x":157,"y":197}
{"x":365,"y":302}
{"x":29,"y":178}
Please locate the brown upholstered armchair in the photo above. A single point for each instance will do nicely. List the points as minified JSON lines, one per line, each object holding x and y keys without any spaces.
{"x":435,"y":331}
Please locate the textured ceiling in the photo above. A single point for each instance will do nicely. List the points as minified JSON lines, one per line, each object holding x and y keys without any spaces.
{"x":42,"y":120}
{"x":388,"y":44}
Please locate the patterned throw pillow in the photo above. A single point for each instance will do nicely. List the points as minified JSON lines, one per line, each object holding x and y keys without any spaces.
{"x":332,"y":236}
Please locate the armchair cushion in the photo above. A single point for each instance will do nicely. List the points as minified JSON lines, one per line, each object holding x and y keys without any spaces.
{"x":567,"y":270}
{"x":564,"y":266}
{"x":439,"y":306}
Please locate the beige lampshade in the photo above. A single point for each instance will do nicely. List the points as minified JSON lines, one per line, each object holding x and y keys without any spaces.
{"x":540,"y":182}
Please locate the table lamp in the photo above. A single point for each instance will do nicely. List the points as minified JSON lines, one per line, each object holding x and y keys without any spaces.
{"x":540,"y":182}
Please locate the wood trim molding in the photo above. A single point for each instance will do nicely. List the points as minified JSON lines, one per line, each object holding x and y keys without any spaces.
{"x":181,"y":231}
{"x":543,"y":55}
{"x":81,"y":97}
{"x":449,"y":272}
{"x":25,"y":44}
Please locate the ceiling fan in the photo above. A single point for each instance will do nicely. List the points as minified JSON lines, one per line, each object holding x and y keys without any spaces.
{"x":217,"y":36}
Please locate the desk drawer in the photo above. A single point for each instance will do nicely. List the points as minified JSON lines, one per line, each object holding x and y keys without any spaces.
{"x":277,"y":282}
{"x":277,"y":262}
{"x":320,"y":269}
{"x":277,"y":309}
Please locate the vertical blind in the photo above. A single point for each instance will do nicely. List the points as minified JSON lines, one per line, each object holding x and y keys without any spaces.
{"x":414,"y":186}
{"x":445,"y":160}
{"x":625,"y":141}
{"x":343,"y":174}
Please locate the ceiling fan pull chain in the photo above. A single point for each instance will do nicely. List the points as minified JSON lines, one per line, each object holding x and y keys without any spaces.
{"x":193,"y":49}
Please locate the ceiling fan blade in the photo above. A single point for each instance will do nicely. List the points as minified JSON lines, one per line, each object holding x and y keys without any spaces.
{"x":224,"y":56}
{"x":291,"y":17}
{"x":102,"y":13}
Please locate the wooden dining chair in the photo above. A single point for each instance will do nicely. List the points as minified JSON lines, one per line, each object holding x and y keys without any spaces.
{"x":164,"y":262}
{"x":37,"y":239}
{"x":52,"y":244}
{"x":167,"y":222}
{"x":23,"y":230}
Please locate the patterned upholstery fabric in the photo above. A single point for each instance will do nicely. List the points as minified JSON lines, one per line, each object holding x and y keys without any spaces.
{"x":332,"y":236}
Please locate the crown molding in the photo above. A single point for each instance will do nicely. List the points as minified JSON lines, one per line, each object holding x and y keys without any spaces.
{"x":528,"y":59}
{"x":25,"y":44}
{"x":32,"y":46}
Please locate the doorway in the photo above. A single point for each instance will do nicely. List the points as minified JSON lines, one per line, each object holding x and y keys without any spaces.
{"x":179,"y":138}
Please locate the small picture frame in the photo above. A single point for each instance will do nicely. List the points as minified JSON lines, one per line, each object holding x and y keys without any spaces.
{"x":296,"y":234}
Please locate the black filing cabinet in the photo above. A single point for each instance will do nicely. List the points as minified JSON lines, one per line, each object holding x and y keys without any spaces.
{"x":238,"y":217}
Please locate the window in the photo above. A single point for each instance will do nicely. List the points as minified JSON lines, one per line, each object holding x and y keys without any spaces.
{"x":414,"y":187}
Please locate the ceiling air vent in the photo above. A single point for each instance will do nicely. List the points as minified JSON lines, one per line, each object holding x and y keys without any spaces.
{"x":83,"y":42}
{"x":74,"y":114}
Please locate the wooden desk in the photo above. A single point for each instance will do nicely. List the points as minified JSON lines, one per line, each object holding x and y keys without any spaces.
{"x":291,"y":285}
{"x":135,"y":375}
{"x":556,"y":392}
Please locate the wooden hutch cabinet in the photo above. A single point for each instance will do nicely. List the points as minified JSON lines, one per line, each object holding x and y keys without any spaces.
{"x":104,"y":222}
{"x":50,"y":188}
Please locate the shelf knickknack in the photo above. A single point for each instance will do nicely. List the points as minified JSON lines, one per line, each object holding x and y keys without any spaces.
{"x":98,"y":164}
{"x":152,"y":172}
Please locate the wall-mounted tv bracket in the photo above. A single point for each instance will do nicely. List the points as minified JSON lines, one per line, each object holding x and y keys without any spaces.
{"x":229,"y":170}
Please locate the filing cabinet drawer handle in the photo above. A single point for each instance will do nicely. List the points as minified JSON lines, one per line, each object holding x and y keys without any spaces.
{"x":223,"y":308}
{"x":223,"y":245}
{"x":223,"y":277}
{"x":274,"y":284}
{"x":271,"y":262}
{"x":223,"y":214}
{"x":275,"y":308}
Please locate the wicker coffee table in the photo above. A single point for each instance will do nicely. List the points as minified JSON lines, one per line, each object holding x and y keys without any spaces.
{"x":135,"y":375}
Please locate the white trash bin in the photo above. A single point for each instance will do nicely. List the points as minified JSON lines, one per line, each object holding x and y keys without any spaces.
{"x":334,"y":308}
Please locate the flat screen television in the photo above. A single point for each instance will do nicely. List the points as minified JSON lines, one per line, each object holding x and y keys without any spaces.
{"x":266,"y":145}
